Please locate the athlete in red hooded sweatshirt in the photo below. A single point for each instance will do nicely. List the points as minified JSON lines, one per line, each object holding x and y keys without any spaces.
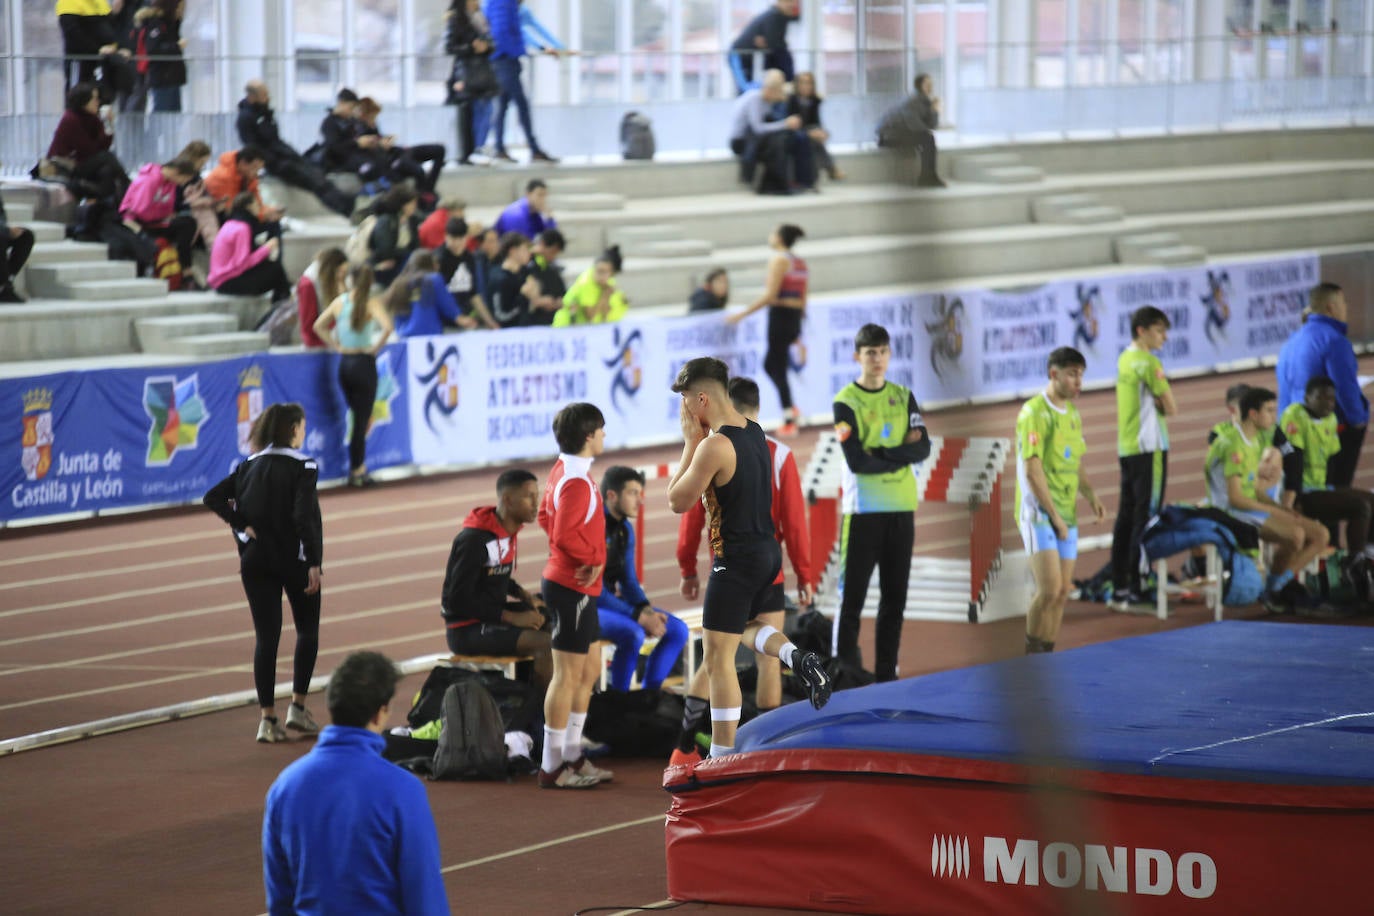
{"x":571,"y":514}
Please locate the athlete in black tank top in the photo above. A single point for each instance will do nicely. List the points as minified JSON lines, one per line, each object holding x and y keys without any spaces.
{"x":746,"y":557}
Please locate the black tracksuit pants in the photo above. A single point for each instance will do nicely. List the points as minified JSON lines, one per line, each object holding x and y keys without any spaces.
{"x":263,"y":583}
{"x":884,"y":540}
{"x":1143,"y":478}
{"x":1340,"y":467}
{"x":358,"y":378}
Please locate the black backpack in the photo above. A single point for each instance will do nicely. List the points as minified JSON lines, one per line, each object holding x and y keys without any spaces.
{"x":637,"y":723}
{"x":472,"y":743}
{"x":636,"y":136}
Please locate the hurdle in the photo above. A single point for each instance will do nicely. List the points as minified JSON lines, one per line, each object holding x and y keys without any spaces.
{"x":958,"y":470}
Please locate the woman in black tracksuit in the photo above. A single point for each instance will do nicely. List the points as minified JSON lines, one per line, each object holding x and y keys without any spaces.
{"x":271,"y":504}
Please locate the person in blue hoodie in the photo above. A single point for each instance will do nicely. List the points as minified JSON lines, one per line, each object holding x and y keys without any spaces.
{"x":515,"y":32}
{"x":623,"y":610}
{"x":345,"y":830}
{"x":420,"y":302}
{"x":1320,"y":348}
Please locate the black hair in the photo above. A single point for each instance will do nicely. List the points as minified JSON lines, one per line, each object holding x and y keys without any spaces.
{"x":920,"y":78}
{"x":79,"y":96}
{"x":395,"y":200}
{"x":744,"y":393}
{"x":363,"y":683}
{"x":1065,"y":358}
{"x":184,"y":167}
{"x":534,"y":184}
{"x":1320,"y":295}
{"x":574,"y":424}
{"x":1236,"y":392}
{"x":1319,"y":383}
{"x":274,"y":426}
{"x":509,"y":242}
{"x":701,"y":369}
{"x":1255,"y":399}
{"x":871,"y":335}
{"x":616,"y":477}
{"x":242,"y":202}
{"x":612,"y":257}
{"x":346,"y":95}
{"x":789,"y":233}
{"x":250,"y":154}
{"x":552,"y":238}
{"x":1147,"y":316}
{"x":515,"y":477}
{"x":456,"y":227}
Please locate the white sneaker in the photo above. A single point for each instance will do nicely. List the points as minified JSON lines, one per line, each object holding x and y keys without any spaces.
{"x":585,"y":767}
{"x":299,"y":719}
{"x":271,"y":732}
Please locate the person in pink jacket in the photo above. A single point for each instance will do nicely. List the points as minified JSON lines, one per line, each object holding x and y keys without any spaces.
{"x":245,"y":260}
{"x":149,"y":209}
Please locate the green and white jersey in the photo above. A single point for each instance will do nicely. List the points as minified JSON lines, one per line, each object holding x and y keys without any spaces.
{"x":866,"y":420}
{"x":1265,"y":436}
{"x":1055,"y":436}
{"x":1140,"y":425}
{"x":1231,"y":454}
{"x":1318,"y":440}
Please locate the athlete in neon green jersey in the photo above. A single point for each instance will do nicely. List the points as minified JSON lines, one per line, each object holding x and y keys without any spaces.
{"x":1049,"y":479}
{"x":881,"y":434}
{"x":1143,"y":400}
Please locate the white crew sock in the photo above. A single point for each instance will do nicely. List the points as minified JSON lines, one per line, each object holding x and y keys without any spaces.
{"x":553,"y":749}
{"x":786,"y":654}
{"x":720,"y":750}
{"x":572,"y":740}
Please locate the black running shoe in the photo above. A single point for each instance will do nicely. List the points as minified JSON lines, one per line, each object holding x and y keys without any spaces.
{"x":812,"y":673}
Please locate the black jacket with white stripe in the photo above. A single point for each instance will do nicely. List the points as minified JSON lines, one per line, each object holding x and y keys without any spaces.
{"x":274,"y":492}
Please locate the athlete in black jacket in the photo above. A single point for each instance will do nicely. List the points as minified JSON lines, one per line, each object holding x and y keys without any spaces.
{"x":271,"y":504}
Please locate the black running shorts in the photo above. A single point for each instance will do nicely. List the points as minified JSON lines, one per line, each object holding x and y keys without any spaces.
{"x":484,"y":639}
{"x":741,"y":587}
{"x":575,"y":624}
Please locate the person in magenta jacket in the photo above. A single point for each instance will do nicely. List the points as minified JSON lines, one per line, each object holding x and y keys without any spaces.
{"x":149,"y":207}
{"x":240,"y":263}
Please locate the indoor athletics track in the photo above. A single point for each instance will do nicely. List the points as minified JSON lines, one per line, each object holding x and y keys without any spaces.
{"x":133,"y":612}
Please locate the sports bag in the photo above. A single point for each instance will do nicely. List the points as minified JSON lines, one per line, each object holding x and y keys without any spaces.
{"x":636,"y":136}
{"x":472,"y":742}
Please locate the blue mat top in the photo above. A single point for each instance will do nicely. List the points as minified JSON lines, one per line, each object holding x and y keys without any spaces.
{"x":1260,"y":702}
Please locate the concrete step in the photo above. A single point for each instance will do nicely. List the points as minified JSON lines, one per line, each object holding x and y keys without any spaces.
{"x":104,"y":290}
{"x":50,"y":252}
{"x":154,"y":333}
{"x":1012,"y":174}
{"x":43,"y":232}
{"x":1130,"y":249}
{"x":590,"y":201}
{"x":1095,"y":213}
{"x":223,"y":344}
{"x":52,"y":280}
{"x":971,"y":167}
{"x":560,"y":185}
{"x":17,"y":212}
{"x":1175,"y":255}
{"x":629,"y":237}
{"x":674,"y":248}
{"x":1051,"y":207}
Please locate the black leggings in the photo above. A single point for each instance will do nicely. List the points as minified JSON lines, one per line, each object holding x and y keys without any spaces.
{"x":264,"y":585}
{"x":884,"y":540}
{"x":1331,"y":507}
{"x":358,"y":378}
{"x":784,"y":327}
{"x":264,"y":277}
{"x":406,"y":164}
{"x":13,"y":253}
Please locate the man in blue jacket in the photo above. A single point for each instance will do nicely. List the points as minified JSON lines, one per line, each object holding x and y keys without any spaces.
{"x":510,"y":24}
{"x":345,"y":830}
{"x":624,"y":611}
{"x":1320,"y":348}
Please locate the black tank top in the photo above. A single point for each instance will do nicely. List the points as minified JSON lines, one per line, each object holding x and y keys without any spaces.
{"x":740,"y":513}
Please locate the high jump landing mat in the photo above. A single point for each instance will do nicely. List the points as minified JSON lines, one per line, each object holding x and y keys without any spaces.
{"x":1221,"y":769}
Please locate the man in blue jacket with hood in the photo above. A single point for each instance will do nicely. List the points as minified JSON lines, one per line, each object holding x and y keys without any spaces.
{"x":1320,"y":348}
{"x":345,"y":830}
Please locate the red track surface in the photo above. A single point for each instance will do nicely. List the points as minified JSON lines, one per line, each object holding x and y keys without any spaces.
{"x":129,"y":613}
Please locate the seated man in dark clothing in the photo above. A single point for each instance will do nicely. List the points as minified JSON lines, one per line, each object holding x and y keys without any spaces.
{"x":340,"y":148}
{"x":762,"y":133}
{"x":766,"y":33}
{"x":16,"y":244}
{"x":257,"y":127}
{"x":485,"y":611}
{"x":396,"y":162}
{"x":911,"y":125}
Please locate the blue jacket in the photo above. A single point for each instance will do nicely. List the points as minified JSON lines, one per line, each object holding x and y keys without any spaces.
{"x":1320,"y":347}
{"x":430,"y":306}
{"x":519,"y":217}
{"x":514,"y":29}
{"x":348,"y":832}
{"x":619,"y":575}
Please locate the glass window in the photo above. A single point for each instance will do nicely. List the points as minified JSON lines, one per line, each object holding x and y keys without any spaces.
{"x":839,"y":40}
{"x":42,"y":66}
{"x":319,"y":51}
{"x":973,"y":44}
{"x":884,"y":54}
{"x":702,"y":45}
{"x":377,"y":39}
{"x":199,"y":29}
{"x":432,"y":64}
{"x":1049,"y":42}
{"x":651,"y":63}
{"x":1091,"y":68}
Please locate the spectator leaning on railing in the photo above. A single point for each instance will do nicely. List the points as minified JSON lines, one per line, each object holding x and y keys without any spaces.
{"x":510,"y":26}
{"x":472,"y":82}
{"x":163,"y":45}
{"x":766,"y":33}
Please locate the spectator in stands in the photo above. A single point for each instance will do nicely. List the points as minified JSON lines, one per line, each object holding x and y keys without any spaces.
{"x":766,"y":33}
{"x":759,"y":136}
{"x":87,"y":35}
{"x":195,"y":199}
{"x":911,"y":125}
{"x":81,"y":147}
{"x":806,"y":104}
{"x":395,"y":234}
{"x":431,"y":231}
{"x":376,"y":852}
{"x":164,"y":45}
{"x":1321,"y":347}
{"x":419,"y":301}
{"x":1230,"y":470}
{"x":239,"y":266}
{"x":340,"y":147}
{"x":784,"y":295}
{"x":457,"y":264}
{"x":626,"y":616}
{"x":360,"y":328}
{"x":484,"y":256}
{"x":713,"y":294}
{"x":1307,"y":437}
{"x":323,"y":281}
{"x":530,"y":214}
{"x":16,"y":244}
{"x":544,"y":267}
{"x":129,"y":22}
{"x":594,"y":298}
{"x":401,"y":162}
{"x":472,"y":82}
{"x":485,"y":611}
{"x":257,"y":127}
{"x":510,"y":287}
{"x":1049,"y":480}
{"x":149,"y":208}
{"x":237,"y":172}
{"x":511,"y":24}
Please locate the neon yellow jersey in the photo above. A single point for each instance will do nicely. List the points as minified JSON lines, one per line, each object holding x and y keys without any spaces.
{"x":1318,"y":440}
{"x":1055,"y":436}
{"x":1231,"y":454}
{"x":1140,"y":425}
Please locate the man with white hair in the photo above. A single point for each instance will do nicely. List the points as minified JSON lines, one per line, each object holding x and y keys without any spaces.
{"x":760,"y":131}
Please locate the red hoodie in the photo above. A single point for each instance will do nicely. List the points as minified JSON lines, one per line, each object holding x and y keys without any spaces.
{"x":789,"y":520}
{"x":478,"y":582}
{"x":571,"y":513}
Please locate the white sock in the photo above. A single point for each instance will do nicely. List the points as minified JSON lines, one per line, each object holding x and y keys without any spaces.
{"x":786,"y":654}
{"x":572,"y":740}
{"x":720,"y":750}
{"x":553,"y":749}
{"x":762,"y":637}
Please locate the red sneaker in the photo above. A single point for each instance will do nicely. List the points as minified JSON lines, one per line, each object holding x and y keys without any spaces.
{"x":788,"y":430}
{"x":685,"y":758}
